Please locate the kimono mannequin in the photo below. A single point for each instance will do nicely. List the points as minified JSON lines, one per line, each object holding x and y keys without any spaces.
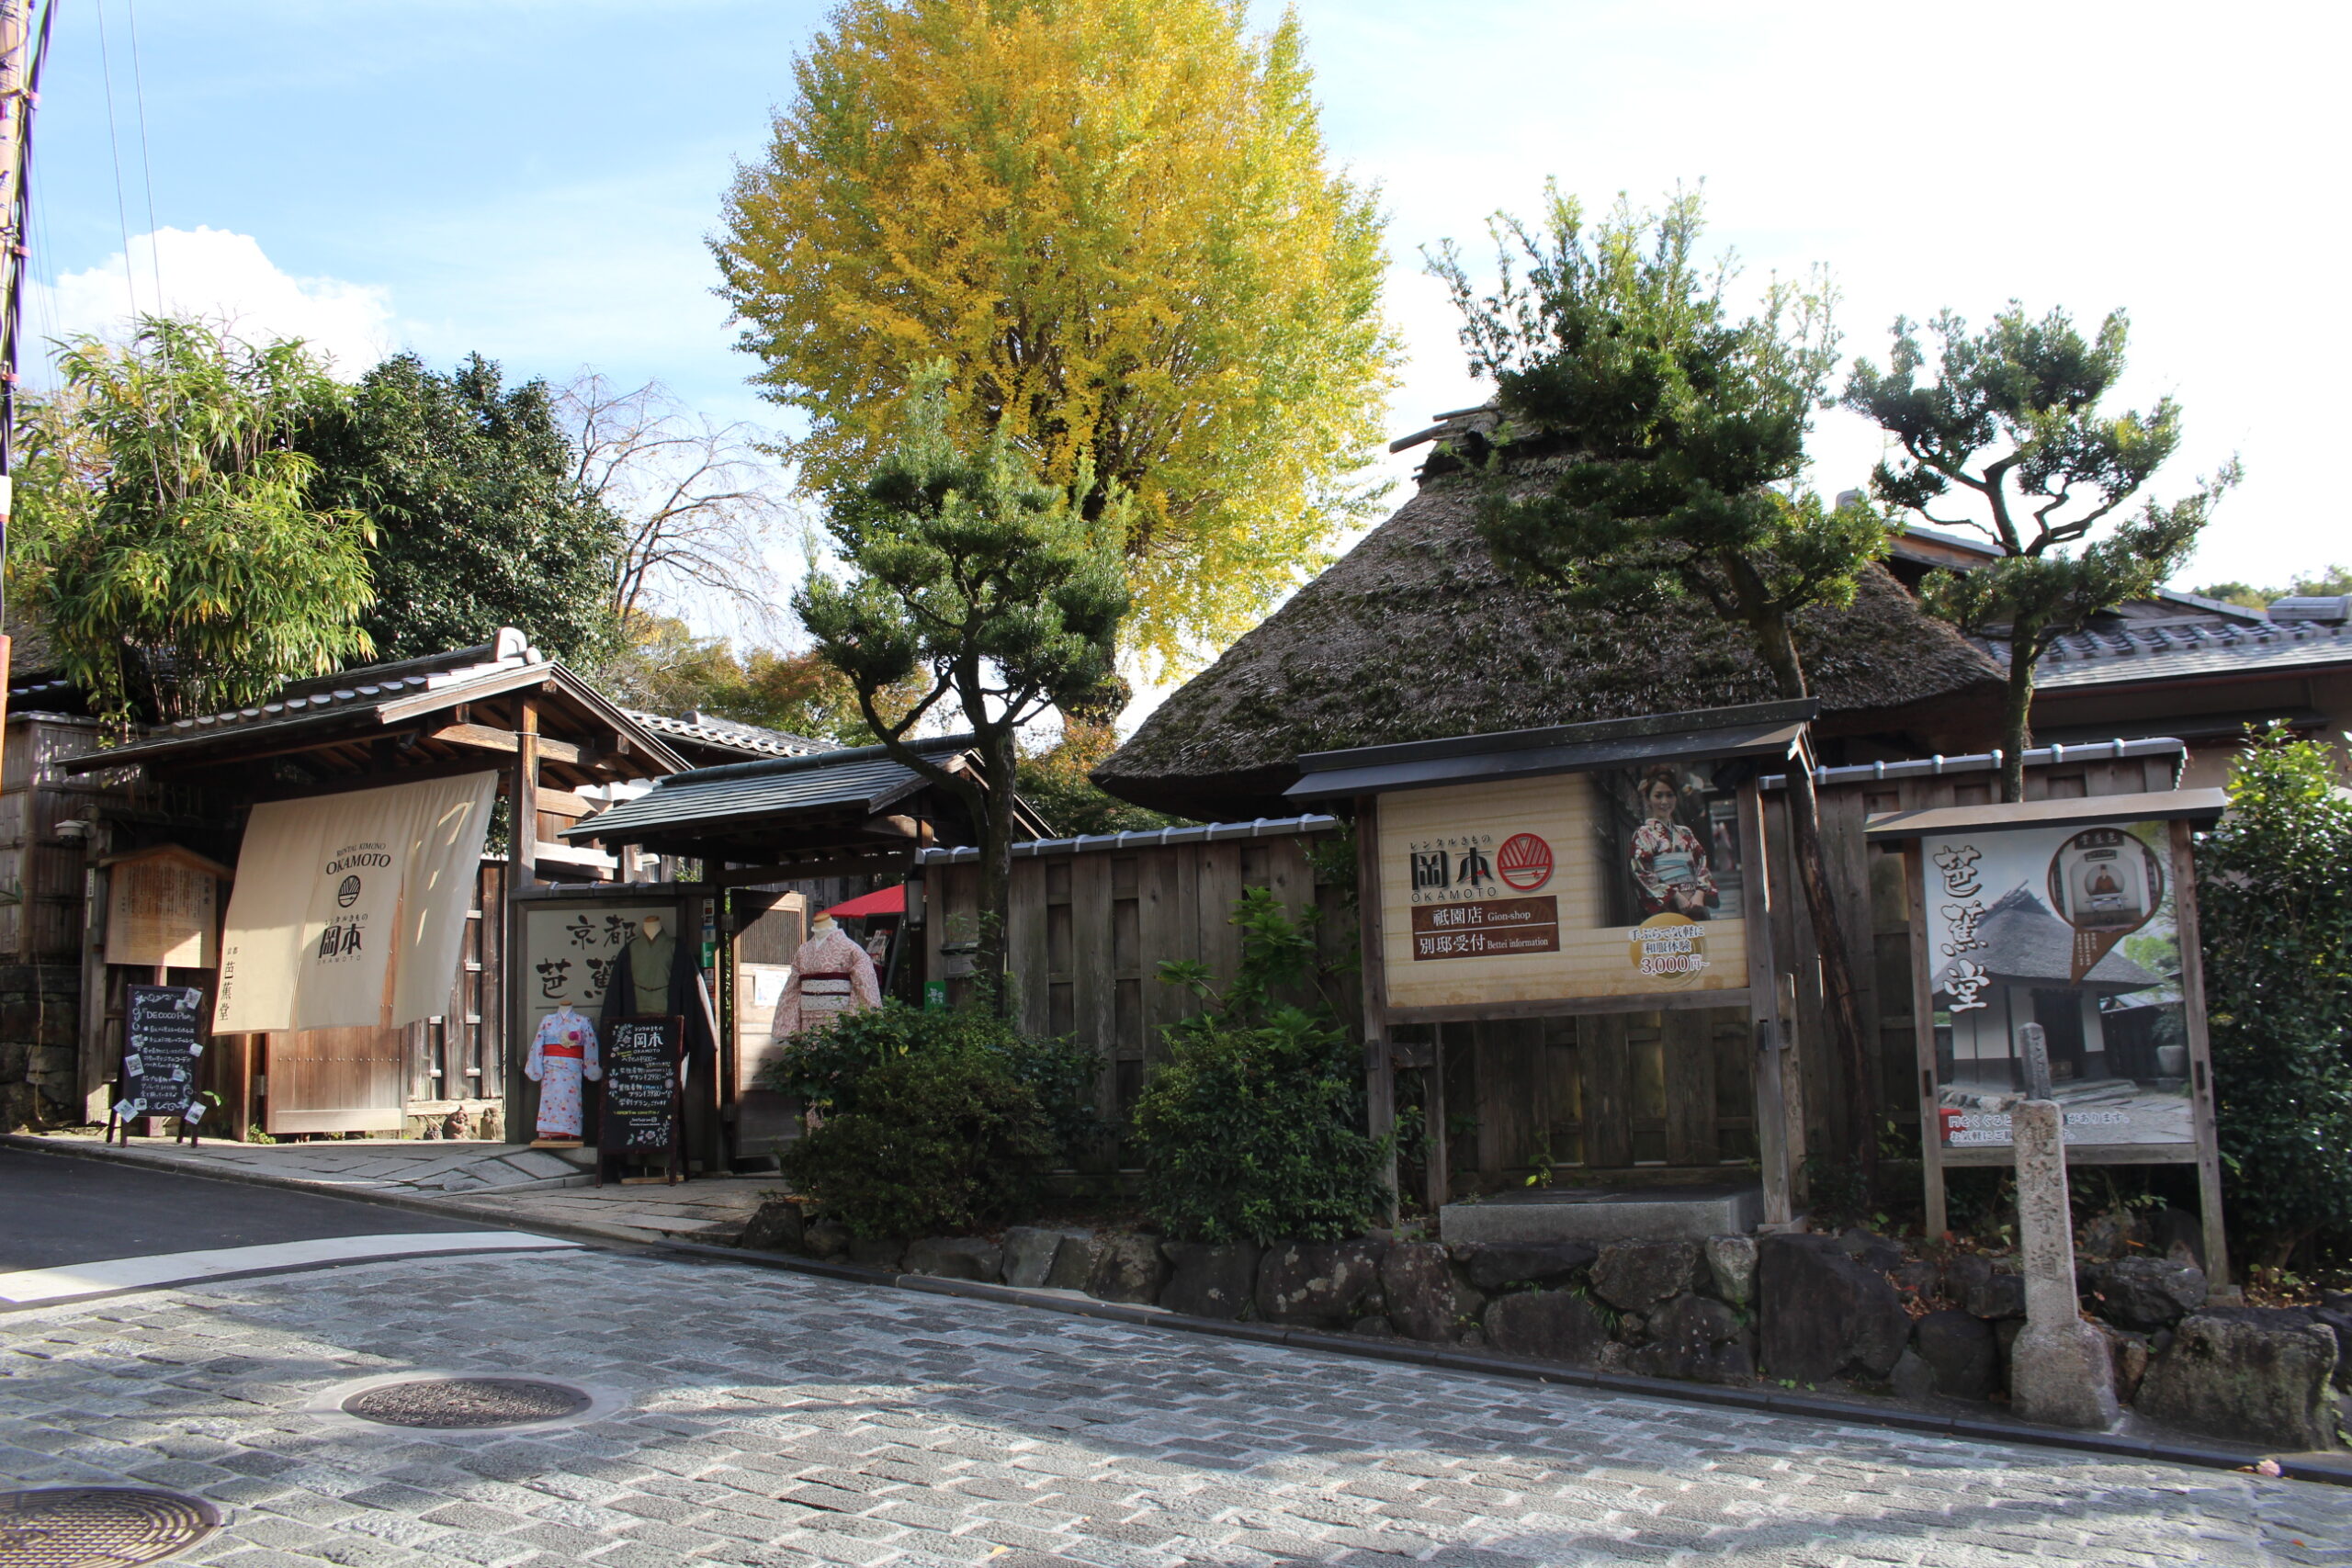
{"x":563,"y":1053}
{"x":654,"y":978}
{"x":831,"y":976}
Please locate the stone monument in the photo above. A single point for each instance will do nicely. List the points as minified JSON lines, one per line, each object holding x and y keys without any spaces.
{"x":2061,"y":1371}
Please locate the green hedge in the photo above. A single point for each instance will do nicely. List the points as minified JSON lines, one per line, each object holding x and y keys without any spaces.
{"x":925,"y":1121}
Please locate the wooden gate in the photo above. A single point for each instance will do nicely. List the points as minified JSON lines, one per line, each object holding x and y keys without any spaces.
{"x":768,"y":926}
{"x":1670,"y":1094}
{"x":335,"y":1080}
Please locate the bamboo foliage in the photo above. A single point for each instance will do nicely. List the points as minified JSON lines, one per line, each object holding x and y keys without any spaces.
{"x":170,"y":547}
{"x":1114,"y":222}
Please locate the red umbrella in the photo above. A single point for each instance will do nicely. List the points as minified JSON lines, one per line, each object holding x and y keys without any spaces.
{"x":884,"y":901}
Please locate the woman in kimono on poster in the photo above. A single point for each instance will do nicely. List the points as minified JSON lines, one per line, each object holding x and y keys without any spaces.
{"x":1668,"y":861}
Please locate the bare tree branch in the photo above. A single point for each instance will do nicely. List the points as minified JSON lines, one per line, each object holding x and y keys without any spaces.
{"x":700,"y":501}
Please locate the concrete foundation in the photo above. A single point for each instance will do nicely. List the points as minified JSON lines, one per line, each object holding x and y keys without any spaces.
{"x":1604,"y":1214}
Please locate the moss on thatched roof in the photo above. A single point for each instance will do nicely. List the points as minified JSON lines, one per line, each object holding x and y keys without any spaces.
{"x":1416,"y":635}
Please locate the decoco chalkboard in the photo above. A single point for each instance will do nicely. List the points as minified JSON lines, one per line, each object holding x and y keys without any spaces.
{"x":162,"y":1044}
{"x":642,"y":1102}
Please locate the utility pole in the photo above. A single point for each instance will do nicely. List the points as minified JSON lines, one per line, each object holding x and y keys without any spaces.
{"x":22,"y":49}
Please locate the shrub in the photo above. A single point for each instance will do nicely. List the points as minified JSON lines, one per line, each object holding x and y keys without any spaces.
{"x":939,"y":1140}
{"x":1252,"y":1127}
{"x":926,"y":1119}
{"x":2275,"y":906}
{"x":825,"y":1068}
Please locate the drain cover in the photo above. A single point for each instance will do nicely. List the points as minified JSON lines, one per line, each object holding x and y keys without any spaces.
{"x":460,"y":1402}
{"x":97,"y":1526}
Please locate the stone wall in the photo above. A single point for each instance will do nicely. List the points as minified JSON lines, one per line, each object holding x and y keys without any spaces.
{"x":1850,"y":1311}
{"x":39,"y":1005}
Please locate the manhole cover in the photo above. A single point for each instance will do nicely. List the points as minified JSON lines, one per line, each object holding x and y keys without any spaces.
{"x":457,"y":1402}
{"x":97,"y":1526}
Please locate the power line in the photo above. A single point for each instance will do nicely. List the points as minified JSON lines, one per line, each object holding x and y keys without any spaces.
{"x":114,"y":144}
{"x":146,"y":164}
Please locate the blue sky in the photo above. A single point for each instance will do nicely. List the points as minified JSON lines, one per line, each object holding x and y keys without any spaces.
{"x":534,"y":179}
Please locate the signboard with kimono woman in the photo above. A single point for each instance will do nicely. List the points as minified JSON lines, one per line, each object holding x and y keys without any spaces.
{"x":1614,"y":884}
{"x":2072,"y":929}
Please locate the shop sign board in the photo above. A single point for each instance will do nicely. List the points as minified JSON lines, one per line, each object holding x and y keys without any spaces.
{"x":162,"y":1048}
{"x":642,"y":1098}
{"x":163,"y":910}
{"x":570,"y":950}
{"x":2074,"y":928}
{"x":1617,"y":883}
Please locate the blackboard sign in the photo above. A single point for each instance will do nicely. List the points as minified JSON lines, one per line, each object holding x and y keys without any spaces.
{"x":162,"y":1047}
{"x":641,"y":1095}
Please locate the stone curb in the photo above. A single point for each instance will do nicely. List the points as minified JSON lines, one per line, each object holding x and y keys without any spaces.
{"x":1774,"y":1402}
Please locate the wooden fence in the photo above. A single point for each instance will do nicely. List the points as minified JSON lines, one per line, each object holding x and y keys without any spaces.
{"x":1671,"y":1095}
{"x":1092,"y":919}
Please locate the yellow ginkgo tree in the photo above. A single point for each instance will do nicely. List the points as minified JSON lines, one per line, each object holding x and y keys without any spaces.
{"x":1115,"y":222}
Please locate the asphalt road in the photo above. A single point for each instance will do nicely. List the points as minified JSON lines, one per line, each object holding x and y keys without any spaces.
{"x":56,"y":1210}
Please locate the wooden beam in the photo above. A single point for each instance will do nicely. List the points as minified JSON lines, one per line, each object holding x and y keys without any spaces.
{"x":1379,"y":1066}
{"x":447,"y":769}
{"x":563,"y":803}
{"x":2200,"y":1055}
{"x":523,"y":827}
{"x":1570,"y":1006}
{"x":751,"y":877}
{"x":482,"y":736}
{"x":1767,"y":1041}
{"x":1932,"y":1153}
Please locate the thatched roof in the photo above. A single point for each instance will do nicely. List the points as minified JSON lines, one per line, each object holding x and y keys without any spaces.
{"x":1416,"y":635}
{"x":2025,"y":944}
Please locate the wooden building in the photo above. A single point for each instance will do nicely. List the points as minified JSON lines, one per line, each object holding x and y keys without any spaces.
{"x":778,"y":840}
{"x":561,"y":751}
{"x":1415,"y":651}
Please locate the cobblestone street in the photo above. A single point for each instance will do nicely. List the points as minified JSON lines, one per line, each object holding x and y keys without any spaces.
{"x":775,"y":1419}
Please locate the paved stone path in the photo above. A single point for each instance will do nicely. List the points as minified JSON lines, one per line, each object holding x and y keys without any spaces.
{"x":773,"y":1419}
{"x":708,"y":1209}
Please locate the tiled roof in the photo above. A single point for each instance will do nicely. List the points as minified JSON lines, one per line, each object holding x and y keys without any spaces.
{"x":395,"y":691}
{"x":865,"y":777}
{"x":2166,"y":652}
{"x":707,"y":729}
{"x":353,"y":691}
{"x":1104,"y":844}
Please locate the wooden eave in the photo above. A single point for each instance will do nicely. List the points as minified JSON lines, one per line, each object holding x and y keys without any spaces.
{"x":584,"y":739}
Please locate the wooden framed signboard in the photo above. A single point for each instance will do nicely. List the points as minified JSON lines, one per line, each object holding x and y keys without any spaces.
{"x":1610,"y":868}
{"x":162,"y":1053}
{"x":1592,"y":887}
{"x":2078,"y":917}
{"x":644,"y":1102}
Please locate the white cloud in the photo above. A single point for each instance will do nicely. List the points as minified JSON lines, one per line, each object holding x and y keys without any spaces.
{"x":225,"y":276}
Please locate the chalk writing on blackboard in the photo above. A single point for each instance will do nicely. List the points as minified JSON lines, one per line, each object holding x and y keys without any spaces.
{"x":641,"y":1087}
{"x":163,"y":1045}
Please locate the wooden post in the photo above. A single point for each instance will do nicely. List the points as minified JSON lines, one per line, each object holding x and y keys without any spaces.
{"x":1440,"y":1183}
{"x":96,"y":1065}
{"x":2200,"y":1059}
{"x":1923,"y":1031}
{"x":1379,"y":1065}
{"x":1763,"y":1006}
{"x":525,"y":828}
{"x":239,"y":1076}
